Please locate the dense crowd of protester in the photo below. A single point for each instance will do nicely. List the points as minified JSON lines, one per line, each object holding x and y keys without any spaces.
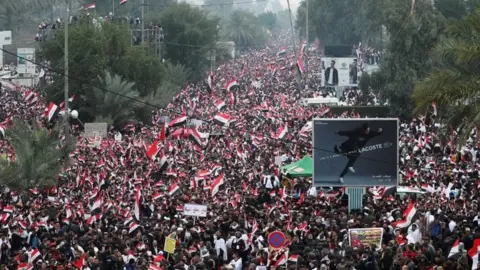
{"x":122,"y":200}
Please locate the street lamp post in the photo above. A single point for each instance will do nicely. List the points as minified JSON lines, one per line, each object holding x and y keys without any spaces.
{"x":67,"y":21}
{"x":306,"y":23}
{"x":291,"y":27}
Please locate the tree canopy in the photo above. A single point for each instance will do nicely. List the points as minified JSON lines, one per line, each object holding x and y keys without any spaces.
{"x":455,"y":78}
{"x":190,"y":37}
{"x":245,"y":30}
{"x":407,"y":58}
{"x":96,"y":51}
{"x":358,"y":20}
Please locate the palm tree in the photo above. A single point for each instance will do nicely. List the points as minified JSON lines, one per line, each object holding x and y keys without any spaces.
{"x":39,"y":156}
{"x":174,"y":77}
{"x":113,"y":102}
{"x":241,"y":28}
{"x":455,"y":80}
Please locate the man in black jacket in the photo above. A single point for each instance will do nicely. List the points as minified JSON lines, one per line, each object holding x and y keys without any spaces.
{"x":351,"y":148}
{"x":331,"y":75}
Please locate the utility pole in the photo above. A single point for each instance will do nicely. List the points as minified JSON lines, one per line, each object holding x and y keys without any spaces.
{"x":113,"y":7}
{"x":65,"y":54}
{"x":143,"y":22}
{"x":306,"y":23}
{"x":291,"y":26}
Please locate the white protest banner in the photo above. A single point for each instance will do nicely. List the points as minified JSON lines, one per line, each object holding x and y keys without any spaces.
{"x":196,"y":210}
{"x":278,"y":160}
{"x":95,"y":129}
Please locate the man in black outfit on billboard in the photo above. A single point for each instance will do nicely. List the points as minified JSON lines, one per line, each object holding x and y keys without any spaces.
{"x":357,"y":139}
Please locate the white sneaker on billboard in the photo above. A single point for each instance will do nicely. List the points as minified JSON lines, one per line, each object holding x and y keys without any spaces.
{"x":341,"y":180}
{"x":351,"y":169}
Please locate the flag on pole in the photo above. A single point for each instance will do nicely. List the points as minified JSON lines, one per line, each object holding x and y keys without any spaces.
{"x":90,"y":6}
{"x":123,"y":2}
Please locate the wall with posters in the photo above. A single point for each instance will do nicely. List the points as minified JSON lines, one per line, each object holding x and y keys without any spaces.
{"x":26,"y":60}
{"x":355,"y":152}
{"x":5,"y":39}
{"x":343,"y":66}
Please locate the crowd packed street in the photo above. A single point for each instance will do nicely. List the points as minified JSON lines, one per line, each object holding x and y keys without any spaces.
{"x":121,"y":202}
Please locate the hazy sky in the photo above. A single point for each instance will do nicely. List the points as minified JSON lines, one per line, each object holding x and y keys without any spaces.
{"x":293,"y":3}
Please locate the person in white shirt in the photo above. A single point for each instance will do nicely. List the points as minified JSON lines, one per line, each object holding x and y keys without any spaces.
{"x":236,"y":262}
{"x":271,"y":182}
{"x":221,"y":248}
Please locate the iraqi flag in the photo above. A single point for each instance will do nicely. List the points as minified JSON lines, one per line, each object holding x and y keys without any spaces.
{"x":162,"y":160}
{"x":302,"y":48}
{"x":281,"y":132}
{"x":51,"y":111}
{"x":232,"y":99}
{"x":282,"y":51}
{"x":34,"y":255}
{"x":195,"y":136}
{"x":163,"y":133}
{"x":293,"y":258}
{"x":210,"y":81}
{"x":136,"y":210}
{"x":133,"y":226}
{"x":473,"y":253}
{"x":219,"y":104}
{"x":28,"y":95}
{"x":282,"y":260}
{"x":216,"y":184}
{"x":300,"y":67}
{"x":408,"y":215}
{"x":231,"y":83}
{"x":222,"y":118}
{"x":174,"y":188}
{"x":123,"y":2}
{"x":90,"y":6}
{"x":178,"y":121}
{"x":8,"y":209}
{"x":454,"y":250}
{"x":153,"y":150}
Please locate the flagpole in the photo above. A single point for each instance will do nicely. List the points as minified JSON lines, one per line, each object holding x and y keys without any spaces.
{"x":291,"y":26}
{"x":143,"y":20}
{"x":306,"y":22}
{"x":113,"y":7}
{"x":67,"y":113}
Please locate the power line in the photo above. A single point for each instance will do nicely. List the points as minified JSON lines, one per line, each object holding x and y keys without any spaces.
{"x":208,"y":5}
{"x":81,"y":81}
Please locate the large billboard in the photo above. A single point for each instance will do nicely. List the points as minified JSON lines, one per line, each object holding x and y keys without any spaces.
{"x":26,"y":60}
{"x":346,"y":69}
{"x":357,"y":152}
{"x":5,"y":39}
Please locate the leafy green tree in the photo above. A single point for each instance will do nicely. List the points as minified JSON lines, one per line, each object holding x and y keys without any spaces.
{"x":454,"y":82}
{"x":452,"y":9}
{"x":190,"y":35}
{"x":412,"y":37}
{"x":267,"y":20}
{"x":39,"y":157}
{"x":114,"y":101}
{"x":92,"y":51}
{"x":219,"y":8}
{"x":326,"y":18}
